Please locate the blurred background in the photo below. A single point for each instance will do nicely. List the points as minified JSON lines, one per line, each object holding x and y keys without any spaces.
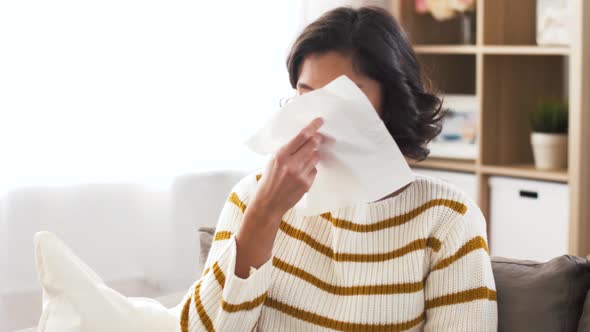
{"x":122,"y":125}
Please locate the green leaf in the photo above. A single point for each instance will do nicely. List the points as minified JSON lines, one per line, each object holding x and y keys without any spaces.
{"x":551,"y":117}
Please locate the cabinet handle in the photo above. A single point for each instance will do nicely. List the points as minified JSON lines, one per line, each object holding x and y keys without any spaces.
{"x":528,"y":194}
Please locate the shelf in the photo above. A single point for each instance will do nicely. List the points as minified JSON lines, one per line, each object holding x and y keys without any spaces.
{"x":512,"y":88}
{"x":445,"y":49}
{"x":424,"y":28}
{"x":509,"y":22}
{"x":450,"y":73}
{"x":510,"y":74}
{"x":446,"y":165}
{"x":527,"y":172}
{"x":526,"y":50}
{"x":492,"y":49}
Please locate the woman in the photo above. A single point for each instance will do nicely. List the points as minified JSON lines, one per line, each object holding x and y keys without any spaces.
{"x":416,"y":259}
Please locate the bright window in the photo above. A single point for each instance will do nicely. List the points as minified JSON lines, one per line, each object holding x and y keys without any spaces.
{"x":128,"y":90}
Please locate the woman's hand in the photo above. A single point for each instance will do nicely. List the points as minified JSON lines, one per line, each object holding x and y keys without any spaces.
{"x":287,"y":177}
{"x":290,"y":173}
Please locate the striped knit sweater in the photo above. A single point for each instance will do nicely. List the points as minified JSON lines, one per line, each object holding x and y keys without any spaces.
{"x":415,"y":261}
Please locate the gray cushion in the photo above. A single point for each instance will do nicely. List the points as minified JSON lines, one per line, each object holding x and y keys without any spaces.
{"x":205,"y":238}
{"x":535,"y":296}
{"x":585,"y":319}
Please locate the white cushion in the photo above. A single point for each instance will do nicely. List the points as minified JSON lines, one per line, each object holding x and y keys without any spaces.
{"x":75,"y":299}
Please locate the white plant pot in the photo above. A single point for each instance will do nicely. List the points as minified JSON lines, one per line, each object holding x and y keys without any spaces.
{"x":549,"y":150}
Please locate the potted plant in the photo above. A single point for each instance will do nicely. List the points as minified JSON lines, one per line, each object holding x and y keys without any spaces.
{"x":549,"y":124}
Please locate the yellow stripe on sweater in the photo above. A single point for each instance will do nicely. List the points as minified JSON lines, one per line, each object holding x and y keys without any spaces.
{"x":205,"y":272}
{"x":401,"y":288}
{"x":397,"y":220}
{"x":229,"y":307}
{"x":333,"y":289}
{"x":480,"y":293}
{"x":295,"y":233}
{"x":248,"y":305}
{"x":222,"y":235}
{"x":415,"y":245}
{"x":235,"y":199}
{"x":389,"y":222}
{"x":339,"y":325}
{"x":184,"y":316}
{"x":476,"y":243}
{"x":207,"y":323}
{"x":219,"y":276}
{"x":380,"y":225}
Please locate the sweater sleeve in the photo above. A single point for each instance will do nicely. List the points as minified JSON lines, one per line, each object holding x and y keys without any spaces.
{"x":220,"y":300}
{"x":460,"y":292}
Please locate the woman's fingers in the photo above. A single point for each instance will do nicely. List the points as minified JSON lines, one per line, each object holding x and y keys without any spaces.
{"x":311,"y":145}
{"x":311,"y":173}
{"x":304,"y":135}
{"x":311,"y":162}
{"x":291,"y":171}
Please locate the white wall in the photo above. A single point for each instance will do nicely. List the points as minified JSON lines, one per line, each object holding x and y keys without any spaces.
{"x":312,"y":9}
{"x":136,"y":90}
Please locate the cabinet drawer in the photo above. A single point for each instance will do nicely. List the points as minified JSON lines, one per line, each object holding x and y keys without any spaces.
{"x":528,"y":219}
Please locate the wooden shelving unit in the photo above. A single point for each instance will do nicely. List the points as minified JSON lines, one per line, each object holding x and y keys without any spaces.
{"x":467,"y":166}
{"x":446,"y":49}
{"x":506,"y":50}
{"x":525,"y":50}
{"x":527,"y":171}
{"x":508,"y":73}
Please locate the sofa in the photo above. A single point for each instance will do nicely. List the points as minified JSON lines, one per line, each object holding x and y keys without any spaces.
{"x":151,"y":231}
{"x":532,"y":296}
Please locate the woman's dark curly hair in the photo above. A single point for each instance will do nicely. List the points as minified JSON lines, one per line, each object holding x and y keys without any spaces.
{"x":381,"y":51}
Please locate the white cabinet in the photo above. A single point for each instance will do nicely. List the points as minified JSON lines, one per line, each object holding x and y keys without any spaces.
{"x":464,"y":181}
{"x":528,"y":219}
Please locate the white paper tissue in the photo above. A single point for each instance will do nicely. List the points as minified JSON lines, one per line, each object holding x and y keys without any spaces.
{"x":360,"y":161}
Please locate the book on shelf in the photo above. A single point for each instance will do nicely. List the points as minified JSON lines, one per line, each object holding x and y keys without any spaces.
{"x":458,"y":138}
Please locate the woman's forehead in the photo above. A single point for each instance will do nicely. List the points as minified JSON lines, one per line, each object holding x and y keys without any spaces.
{"x":320,"y":69}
